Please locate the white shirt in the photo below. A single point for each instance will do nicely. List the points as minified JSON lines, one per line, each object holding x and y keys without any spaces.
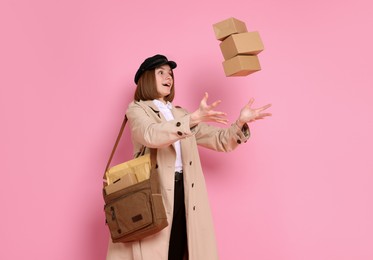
{"x":165,"y":109}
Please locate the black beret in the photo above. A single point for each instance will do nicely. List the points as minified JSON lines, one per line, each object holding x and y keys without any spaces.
{"x":153,"y":62}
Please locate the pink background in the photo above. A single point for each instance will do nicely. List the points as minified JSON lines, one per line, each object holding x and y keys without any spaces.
{"x":300,"y":189}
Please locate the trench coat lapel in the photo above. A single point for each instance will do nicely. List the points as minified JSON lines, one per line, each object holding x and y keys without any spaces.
{"x":177,"y":113}
{"x":153,"y":107}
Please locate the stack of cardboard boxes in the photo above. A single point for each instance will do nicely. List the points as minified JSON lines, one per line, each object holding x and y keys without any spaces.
{"x":239,"y":47}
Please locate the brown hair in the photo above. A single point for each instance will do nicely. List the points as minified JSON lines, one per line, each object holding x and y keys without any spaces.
{"x":147,"y":87}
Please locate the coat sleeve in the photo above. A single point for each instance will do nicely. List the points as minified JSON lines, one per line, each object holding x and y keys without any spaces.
{"x":221,"y":139}
{"x":153,"y":133}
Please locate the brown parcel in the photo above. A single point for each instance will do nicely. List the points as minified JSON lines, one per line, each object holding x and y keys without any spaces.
{"x":124,"y":182}
{"x":227,"y":27}
{"x":243,"y":43}
{"x":241,"y":65}
{"x":139,"y":166}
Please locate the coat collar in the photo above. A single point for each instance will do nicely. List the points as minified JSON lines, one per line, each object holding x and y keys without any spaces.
{"x":177,"y":112}
{"x":150,"y":104}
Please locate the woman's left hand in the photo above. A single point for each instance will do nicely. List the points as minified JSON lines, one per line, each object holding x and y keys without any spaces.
{"x":249,"y":114}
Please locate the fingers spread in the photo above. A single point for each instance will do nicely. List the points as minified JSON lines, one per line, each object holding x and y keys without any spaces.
{"x":215,"y":103}
{"x":264,"y":107}
{"x":265,"y":114}
{"x":261,"y":116}
{"x":219,"y":120}
{"x":251,"y":101}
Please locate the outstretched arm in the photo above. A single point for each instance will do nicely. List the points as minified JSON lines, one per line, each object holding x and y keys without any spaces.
{"x":223,"y":139}
{"x":206,"y":113}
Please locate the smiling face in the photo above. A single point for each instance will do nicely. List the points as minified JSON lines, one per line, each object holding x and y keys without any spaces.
{"x":164,"y":80}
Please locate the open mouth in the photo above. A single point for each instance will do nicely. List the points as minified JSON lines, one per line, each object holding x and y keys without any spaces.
{"x":166,"y":84}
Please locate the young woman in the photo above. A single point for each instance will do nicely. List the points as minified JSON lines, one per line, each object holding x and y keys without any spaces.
{"x":156,"y":123}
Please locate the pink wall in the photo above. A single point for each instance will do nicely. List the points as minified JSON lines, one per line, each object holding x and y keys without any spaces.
{"x":299,"y":189}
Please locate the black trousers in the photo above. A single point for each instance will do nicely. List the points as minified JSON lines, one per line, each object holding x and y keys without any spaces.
{"x":178,"y":239}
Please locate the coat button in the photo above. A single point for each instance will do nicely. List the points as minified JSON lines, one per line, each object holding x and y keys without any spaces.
{"x":238,"y":141}
{"x":178,"y":124}
{"x":179,"y":133}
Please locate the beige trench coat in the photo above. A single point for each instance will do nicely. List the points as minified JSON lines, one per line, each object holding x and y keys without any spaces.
{"x":150,"y":128}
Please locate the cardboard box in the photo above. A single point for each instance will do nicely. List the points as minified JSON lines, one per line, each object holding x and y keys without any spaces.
{"x":141,"y":164}
{"x":125,"y":181}
{"x":242,"y":43}
{"x":241,"y":65}
{"x":142,"y":171}
{"x":228,"y":27}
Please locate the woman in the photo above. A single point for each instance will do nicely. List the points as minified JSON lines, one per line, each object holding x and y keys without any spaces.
{"x":156,"y":123}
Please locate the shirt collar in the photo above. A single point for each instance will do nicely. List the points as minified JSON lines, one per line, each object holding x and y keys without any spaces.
{"x":161,"y":105}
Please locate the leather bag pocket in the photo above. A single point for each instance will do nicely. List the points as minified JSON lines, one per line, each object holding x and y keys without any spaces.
{"x":129,"y":213}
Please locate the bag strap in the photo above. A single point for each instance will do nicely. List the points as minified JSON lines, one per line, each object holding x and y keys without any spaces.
{"x":153,"y":152}
{"x":116,"y":144}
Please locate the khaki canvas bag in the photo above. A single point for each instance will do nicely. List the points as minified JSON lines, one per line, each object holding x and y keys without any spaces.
{"x":133,"y":202}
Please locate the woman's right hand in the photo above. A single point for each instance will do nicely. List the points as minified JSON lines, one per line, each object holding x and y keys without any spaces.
{"x":206,"y":113}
